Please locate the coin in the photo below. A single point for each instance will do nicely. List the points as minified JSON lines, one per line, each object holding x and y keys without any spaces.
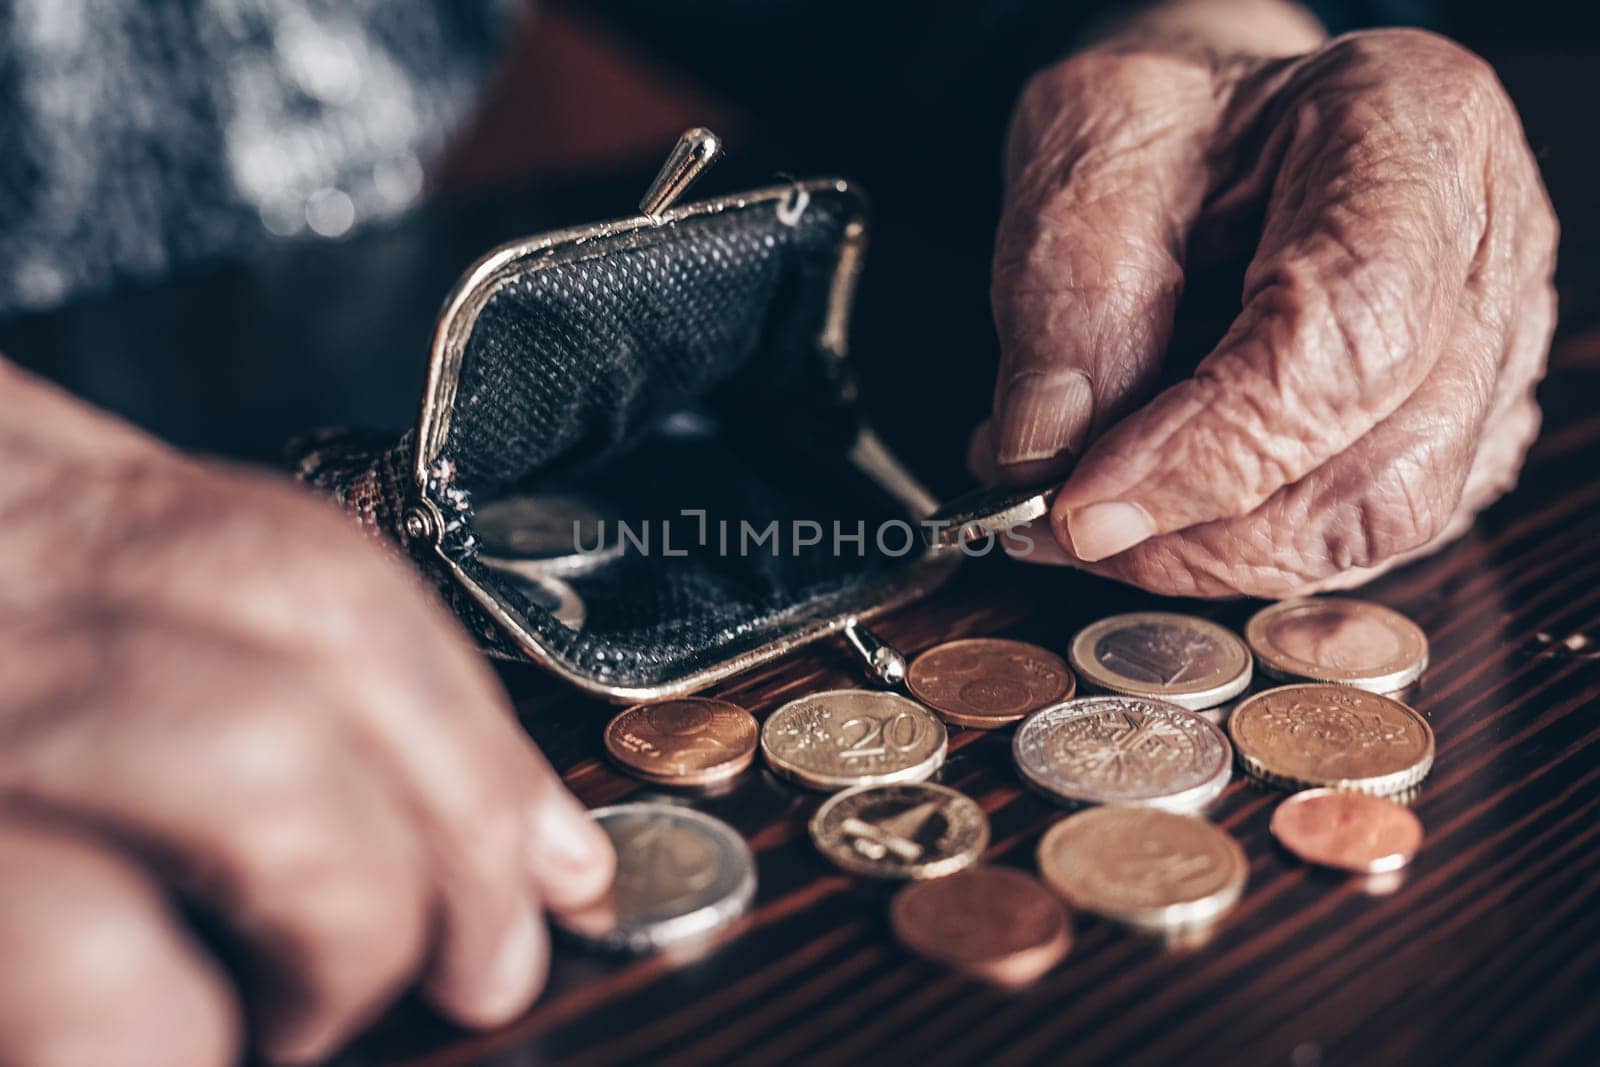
{"x":1190,"y":662}
{"x":681,"y":876}
{"x":849,"y":737}
{"x":547,"y":533}
{"x":987,"y":682}
{"x":1123,"y":750}
{"x":1307,"y":736}
{"x":1351,"y":831}
{"x":991,"y":922}
{"x":1151,"y":869}
{"x":987,"y":512}
{"x":550,"y":595}
{"x":691,"y":741}
{"x":1339,"y":640}
{"x":901,"y":830}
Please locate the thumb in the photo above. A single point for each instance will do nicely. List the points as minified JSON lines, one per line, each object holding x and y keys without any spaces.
{"x":1107,"y":175}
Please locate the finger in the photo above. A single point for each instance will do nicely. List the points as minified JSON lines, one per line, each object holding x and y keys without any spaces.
{"x":1370,"y":233}
{"x":1410,"y":484}
{"x":94,"y":966}
{"x":236,"y":781}
{"x":1108,"y":171}
{"x":432,"y":710}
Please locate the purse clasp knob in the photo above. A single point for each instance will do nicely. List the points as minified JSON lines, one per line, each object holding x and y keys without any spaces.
{"x":695,"y":151}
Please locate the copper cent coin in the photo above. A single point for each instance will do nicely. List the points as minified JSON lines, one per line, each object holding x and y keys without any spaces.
{"x":902,"y":830}
{"x":1338,"y":640}
{"x":1151,"y":869}
{"x":1187,"y":661}
{"x":850,"y":737}
{"x":691,"y":741}
{"x":1312,"y":736}
{"x":991,"y":922}
{"x":986,"y":682}
{"x":1123,"y":750}
{"x":1350,"y":831}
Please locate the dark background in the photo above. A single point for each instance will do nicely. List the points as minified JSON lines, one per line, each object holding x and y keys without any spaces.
{"x":233,"y":359}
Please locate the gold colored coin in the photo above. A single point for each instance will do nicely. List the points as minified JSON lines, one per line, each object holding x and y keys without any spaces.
{"x":1152,"y":869}
{"x":986,"y":683}
{"x":901,"y":830}
{"x":851,"y":737}
{"x":994,"y":923}
{"x":691,"y":741}
{"x":1333,"y":736}
{"x":1350,"y":831}
{"x":1184,"y":660}
{"x":1339,"y":640}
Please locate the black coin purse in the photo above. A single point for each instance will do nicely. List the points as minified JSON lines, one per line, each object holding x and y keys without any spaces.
{"x":686,"y":368}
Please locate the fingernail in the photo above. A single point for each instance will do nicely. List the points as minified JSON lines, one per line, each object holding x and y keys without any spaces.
{"x":514,"y":971}
{"x":568,"y":836}
{"x":1102,"y":530}
{"x":1043,"y":415}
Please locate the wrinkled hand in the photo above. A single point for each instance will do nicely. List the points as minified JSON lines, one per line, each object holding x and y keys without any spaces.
{"x":214,"y":692}
{"x":1375,"y":391}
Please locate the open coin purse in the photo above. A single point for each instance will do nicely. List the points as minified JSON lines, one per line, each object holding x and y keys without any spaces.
{"x":686,"y":370}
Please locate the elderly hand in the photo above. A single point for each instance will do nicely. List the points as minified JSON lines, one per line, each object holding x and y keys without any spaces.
{"x":217,"y":699}
{"x":1375,"y":391}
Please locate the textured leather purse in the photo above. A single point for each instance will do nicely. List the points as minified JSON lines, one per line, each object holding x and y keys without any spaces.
{"x":687,"y":368}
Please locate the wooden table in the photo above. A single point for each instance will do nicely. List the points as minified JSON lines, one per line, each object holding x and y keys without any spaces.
{"x":1489,"y":949}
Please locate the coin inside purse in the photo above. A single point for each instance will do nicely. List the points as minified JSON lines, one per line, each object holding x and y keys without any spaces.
{"x":686,"y":374}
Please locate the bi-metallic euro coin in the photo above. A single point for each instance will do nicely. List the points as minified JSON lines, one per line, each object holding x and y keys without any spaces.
{"x":1190,"y":662}
{"x":681,"y":876}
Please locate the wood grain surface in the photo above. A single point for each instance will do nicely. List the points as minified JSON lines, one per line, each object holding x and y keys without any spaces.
{"x":1488,"y":951}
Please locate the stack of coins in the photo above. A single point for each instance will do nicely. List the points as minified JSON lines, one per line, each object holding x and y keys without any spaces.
{"x":1146,"y":753}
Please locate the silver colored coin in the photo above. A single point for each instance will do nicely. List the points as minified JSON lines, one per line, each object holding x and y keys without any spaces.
{"x":986,"y":512}
{"x":681,"y":876}
{"x":901,"y":830}
{"x":843,"y":738}
{"x":1124,"y":750}
{"x":546,"y":534}
{"x":548,"y":594}
{"x":1190,"y":662}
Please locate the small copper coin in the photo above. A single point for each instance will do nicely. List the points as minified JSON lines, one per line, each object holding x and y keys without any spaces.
{"x":1144,"y":867}
{"x":901,"y":830}
{"x":1333,"y":736}
{"x":1350,"y":831}
{"x":991,"y":922}
{"x":987,"y":682}
{"x":691,"y":741}
{"x":1339,"y":640}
